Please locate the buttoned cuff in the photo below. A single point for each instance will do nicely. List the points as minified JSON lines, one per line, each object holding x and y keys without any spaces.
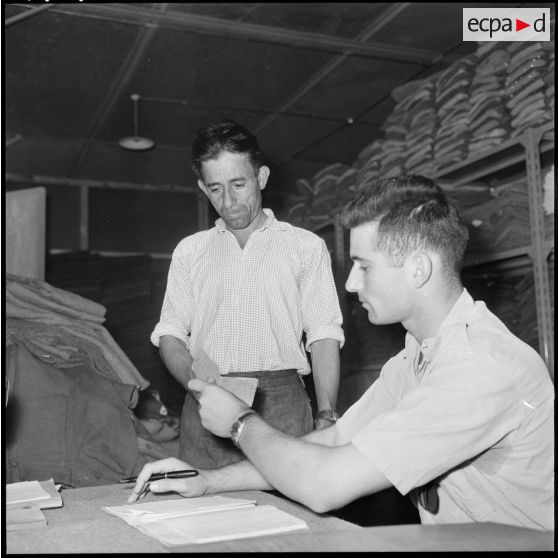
{"x":330,"y":331}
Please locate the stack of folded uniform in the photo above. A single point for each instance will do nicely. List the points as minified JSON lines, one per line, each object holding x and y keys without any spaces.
{"x":395,"y":142}
{"x":526,"y":85}
{"x":347,"y":187}
{"x":549,"y":82}
{"x":325,"y":184}
{"x":453,"y":108}
{"x":299,"y":204}
{"x":368,"y":163}
{"x":422,"y":123}
{"x":489,"y":118}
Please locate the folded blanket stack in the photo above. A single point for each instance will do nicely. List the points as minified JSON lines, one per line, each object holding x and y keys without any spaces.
{"x":453,"y":102}
{"x":527,"y":83}
{"x":489,"y":118}
{"x":368,"y":163}
{"x":321,"y":196}
{"x":422,"y":124}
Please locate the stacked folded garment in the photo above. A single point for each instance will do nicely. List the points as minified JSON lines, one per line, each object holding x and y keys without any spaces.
{"x":422,"y":123}
{"x":64,"y":329}
{"x":526,"y":85}
{"x":319,"y":196}
{"x":394,"y":145}
{"x":489,"y":118}
{"x":368,"y":163}
{"x":453,"y":107}
{"x":549,"y":82}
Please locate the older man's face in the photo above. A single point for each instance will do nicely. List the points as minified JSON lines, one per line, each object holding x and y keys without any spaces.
{"x":233,"y":188}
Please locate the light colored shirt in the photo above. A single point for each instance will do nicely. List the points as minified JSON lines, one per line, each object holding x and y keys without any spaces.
{"x":248,"y":308}
{"x":478,"y":412}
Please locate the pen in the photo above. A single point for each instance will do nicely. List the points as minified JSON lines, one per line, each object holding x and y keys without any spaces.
{"x":170,"y":475}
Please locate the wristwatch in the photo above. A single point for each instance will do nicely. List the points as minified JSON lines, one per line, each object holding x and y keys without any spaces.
{"x":328,"y":415}
{"x":238,"y":427}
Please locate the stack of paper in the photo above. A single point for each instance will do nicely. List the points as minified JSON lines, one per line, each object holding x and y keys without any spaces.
{"x":206,"y":519}
{"x":24,"y":501}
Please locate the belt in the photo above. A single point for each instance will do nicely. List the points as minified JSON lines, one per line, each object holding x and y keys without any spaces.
{"x":264,"y":373}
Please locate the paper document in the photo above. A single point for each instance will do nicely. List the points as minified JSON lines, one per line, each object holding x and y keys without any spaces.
{"x":138,"y":514}
{"x":27,"y":491}
{"x":25,"y":500}
{"x":206,"y":519}
{"x":205,"y":369}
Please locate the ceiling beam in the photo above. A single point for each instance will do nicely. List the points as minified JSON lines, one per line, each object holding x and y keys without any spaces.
{"x":27,"y":14}
{"x":110,"y":184}
{"x":194,"y":23}
{"x":321,"y":74}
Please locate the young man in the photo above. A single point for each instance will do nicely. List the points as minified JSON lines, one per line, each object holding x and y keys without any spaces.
{"x":242,"y":294}
{"x":461,"y":419}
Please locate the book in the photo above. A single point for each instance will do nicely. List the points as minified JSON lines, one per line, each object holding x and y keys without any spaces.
{"x":24,"y":502}
{"x":24,"y":516}
{"x":43,"y":494}
{"x":206,"y":519}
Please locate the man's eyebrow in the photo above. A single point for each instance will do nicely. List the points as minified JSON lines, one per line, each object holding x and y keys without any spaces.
{"x":218,"y":183}
{"x":358,"y":259}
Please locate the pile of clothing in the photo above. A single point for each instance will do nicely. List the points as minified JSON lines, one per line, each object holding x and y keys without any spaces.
{"x":453,"y":103}
{"x":527,"y":83}
{"x":72,"y":390}
{"x":321,"y":196}
{"x":489,"y":118}
{"x":422,"y":124}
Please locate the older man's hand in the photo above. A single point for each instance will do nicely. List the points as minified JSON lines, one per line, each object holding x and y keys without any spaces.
{"x":219,"y":408}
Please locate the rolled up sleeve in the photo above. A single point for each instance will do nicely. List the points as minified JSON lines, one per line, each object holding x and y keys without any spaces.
{"x":321,"y":314}
{"x":176,"y":312}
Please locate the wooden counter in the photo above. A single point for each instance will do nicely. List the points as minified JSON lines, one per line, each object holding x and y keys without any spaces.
{"x":81,"y":526}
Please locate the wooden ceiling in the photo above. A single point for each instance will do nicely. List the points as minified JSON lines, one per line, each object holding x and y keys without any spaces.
{"x":314,"y":81}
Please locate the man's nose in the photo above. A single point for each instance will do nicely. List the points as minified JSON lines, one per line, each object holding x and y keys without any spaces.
{"x":351,"y":284}
{"x":228,"y":198}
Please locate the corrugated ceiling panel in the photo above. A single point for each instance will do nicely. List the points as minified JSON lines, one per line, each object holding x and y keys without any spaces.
{"x":60,"y":68}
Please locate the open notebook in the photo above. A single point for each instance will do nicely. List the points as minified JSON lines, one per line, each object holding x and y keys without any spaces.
{"x":206,"y":519}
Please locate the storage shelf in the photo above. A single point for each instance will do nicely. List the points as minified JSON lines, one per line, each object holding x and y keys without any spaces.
{"x":494,"y":257}
{"x":503,"y":156}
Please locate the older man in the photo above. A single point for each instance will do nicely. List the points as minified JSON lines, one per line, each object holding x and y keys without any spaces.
{"x":242,"y":294}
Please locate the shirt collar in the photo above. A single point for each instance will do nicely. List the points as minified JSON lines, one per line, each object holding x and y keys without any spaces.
{"x":270,"y":223}
{"x":457,"y":313}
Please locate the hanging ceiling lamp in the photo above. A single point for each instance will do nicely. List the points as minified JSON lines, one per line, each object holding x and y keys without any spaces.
{"x":136,"y":142}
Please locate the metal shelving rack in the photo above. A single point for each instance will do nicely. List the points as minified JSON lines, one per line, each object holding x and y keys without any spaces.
{"x":526,"y":149}
{"x":523,"y":154}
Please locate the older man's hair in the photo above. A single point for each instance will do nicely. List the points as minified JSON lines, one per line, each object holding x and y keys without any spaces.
{"x":225,"y":135}
{"x":413,"y":213}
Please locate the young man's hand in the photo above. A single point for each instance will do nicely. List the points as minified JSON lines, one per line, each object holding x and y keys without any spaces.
{"x":219,"y":408}
{"x":189,"y":487}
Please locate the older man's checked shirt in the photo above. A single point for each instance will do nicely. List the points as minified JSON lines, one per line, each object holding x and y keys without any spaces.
{"x":247,"y":308}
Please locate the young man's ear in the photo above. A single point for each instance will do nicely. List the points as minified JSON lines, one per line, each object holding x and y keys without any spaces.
{"x":419,"y":269}
{"x":263,"y":175}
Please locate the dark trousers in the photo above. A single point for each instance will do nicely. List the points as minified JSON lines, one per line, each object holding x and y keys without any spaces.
{"x":280,"y":400}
